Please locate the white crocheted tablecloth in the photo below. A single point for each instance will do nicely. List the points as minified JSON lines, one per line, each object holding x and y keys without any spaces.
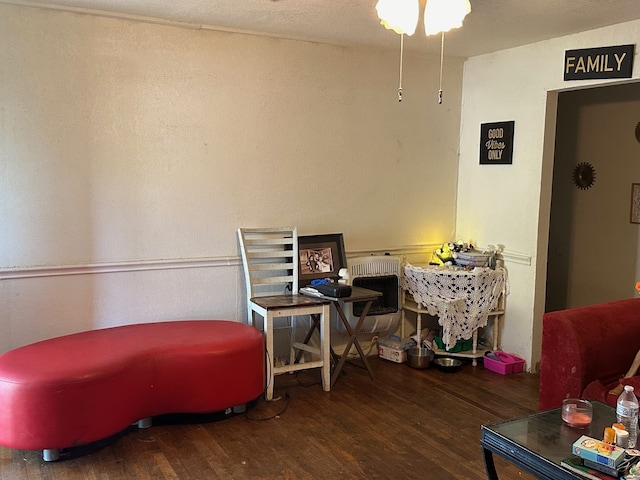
{"x":462,"y":299}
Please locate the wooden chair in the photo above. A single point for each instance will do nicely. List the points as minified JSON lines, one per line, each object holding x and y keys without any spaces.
{"x":270,"y":260}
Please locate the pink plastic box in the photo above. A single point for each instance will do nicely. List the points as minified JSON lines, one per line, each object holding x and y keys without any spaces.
{"x":508,"y":363}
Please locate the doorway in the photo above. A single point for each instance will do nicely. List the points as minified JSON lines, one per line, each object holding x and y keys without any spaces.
{"x":593,"y":246}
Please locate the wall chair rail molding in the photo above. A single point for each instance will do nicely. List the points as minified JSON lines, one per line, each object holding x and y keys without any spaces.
{"x":514,"y":257}
{"x":422,"y":253}
{"x":413,"y":254}
{"x":117,"y":267}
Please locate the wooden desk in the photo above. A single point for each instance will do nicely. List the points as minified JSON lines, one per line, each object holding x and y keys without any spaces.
{"x":358,"y":294}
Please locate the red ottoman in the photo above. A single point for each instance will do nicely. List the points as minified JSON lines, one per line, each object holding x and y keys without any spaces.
{"x":76,"y":389}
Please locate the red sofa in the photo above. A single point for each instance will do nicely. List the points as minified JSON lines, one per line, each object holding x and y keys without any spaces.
{"x":76,"y":389}
{"x":587,"y":350}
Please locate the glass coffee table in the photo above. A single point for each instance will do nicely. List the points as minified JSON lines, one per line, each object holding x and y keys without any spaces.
{"x":538,"y":443}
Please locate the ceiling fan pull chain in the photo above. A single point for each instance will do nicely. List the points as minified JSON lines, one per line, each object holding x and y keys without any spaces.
{"x":441,"y":63}
{"x":401,"y":54}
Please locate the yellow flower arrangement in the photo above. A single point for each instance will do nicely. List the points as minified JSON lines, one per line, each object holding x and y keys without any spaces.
{"x":638,"y":287}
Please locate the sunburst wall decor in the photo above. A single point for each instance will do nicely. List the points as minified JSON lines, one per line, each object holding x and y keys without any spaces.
{"x":584,"y":175}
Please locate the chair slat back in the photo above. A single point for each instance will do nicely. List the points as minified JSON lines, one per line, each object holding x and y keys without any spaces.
{"x":270,"y":260}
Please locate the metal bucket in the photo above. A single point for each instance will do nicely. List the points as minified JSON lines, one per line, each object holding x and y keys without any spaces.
{"x":419,"y":357}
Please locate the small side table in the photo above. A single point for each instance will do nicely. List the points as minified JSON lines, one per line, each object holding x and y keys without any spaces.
{"x":463,"y":300}
{"x":358,"y":294}
{"x":410,"y":305}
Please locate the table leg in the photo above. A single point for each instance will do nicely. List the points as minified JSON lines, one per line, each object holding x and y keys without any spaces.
{"x":316,"y":325}
{"x":489,"y":466}
{"x":316,"y":322}
{"x":325,"y":347}
{"x":268,"y":329}
{"x":353,"y":340}
{"x":474,"y":347}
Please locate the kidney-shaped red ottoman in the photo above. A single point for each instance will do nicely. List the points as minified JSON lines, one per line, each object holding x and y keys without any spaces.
{"x":76,"y":389}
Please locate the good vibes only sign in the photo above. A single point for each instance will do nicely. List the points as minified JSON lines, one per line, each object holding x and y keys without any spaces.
{"x":496,"y":143}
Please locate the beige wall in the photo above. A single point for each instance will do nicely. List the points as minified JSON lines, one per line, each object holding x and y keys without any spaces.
{"x":131,"y":152}
{"x":509,"y":204}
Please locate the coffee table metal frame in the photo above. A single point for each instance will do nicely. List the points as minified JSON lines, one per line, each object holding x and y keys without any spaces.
{"x":538,"y":442}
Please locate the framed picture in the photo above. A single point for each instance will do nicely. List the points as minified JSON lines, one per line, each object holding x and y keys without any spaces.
{"x":496,"y":143}
{"x":635,"y":203}
{"x":321,"y":256}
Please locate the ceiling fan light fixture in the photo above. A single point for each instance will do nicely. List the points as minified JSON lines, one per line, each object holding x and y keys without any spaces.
{"x":401,"y":16}
{"x":440,"y":16}
{"x":444,"y":15}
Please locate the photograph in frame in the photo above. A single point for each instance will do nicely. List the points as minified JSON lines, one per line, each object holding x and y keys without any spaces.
{"x":320,"y":257}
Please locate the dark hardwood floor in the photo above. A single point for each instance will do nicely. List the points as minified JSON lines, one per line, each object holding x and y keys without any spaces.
{"x":405,"y":424}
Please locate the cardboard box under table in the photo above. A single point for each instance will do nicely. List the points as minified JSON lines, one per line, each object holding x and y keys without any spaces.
{"x":394,"y":348}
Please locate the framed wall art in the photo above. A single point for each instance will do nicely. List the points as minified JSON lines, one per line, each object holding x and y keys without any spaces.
{"x":635,"y":203}
{"x":496,"y":143}
{"x":321,"y":256}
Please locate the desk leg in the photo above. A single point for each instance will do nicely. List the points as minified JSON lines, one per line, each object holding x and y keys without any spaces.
{"x":489,"y":466}
{"x":353,"y":340}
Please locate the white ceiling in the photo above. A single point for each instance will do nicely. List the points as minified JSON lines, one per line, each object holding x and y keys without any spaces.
{"x":492,"y":24}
